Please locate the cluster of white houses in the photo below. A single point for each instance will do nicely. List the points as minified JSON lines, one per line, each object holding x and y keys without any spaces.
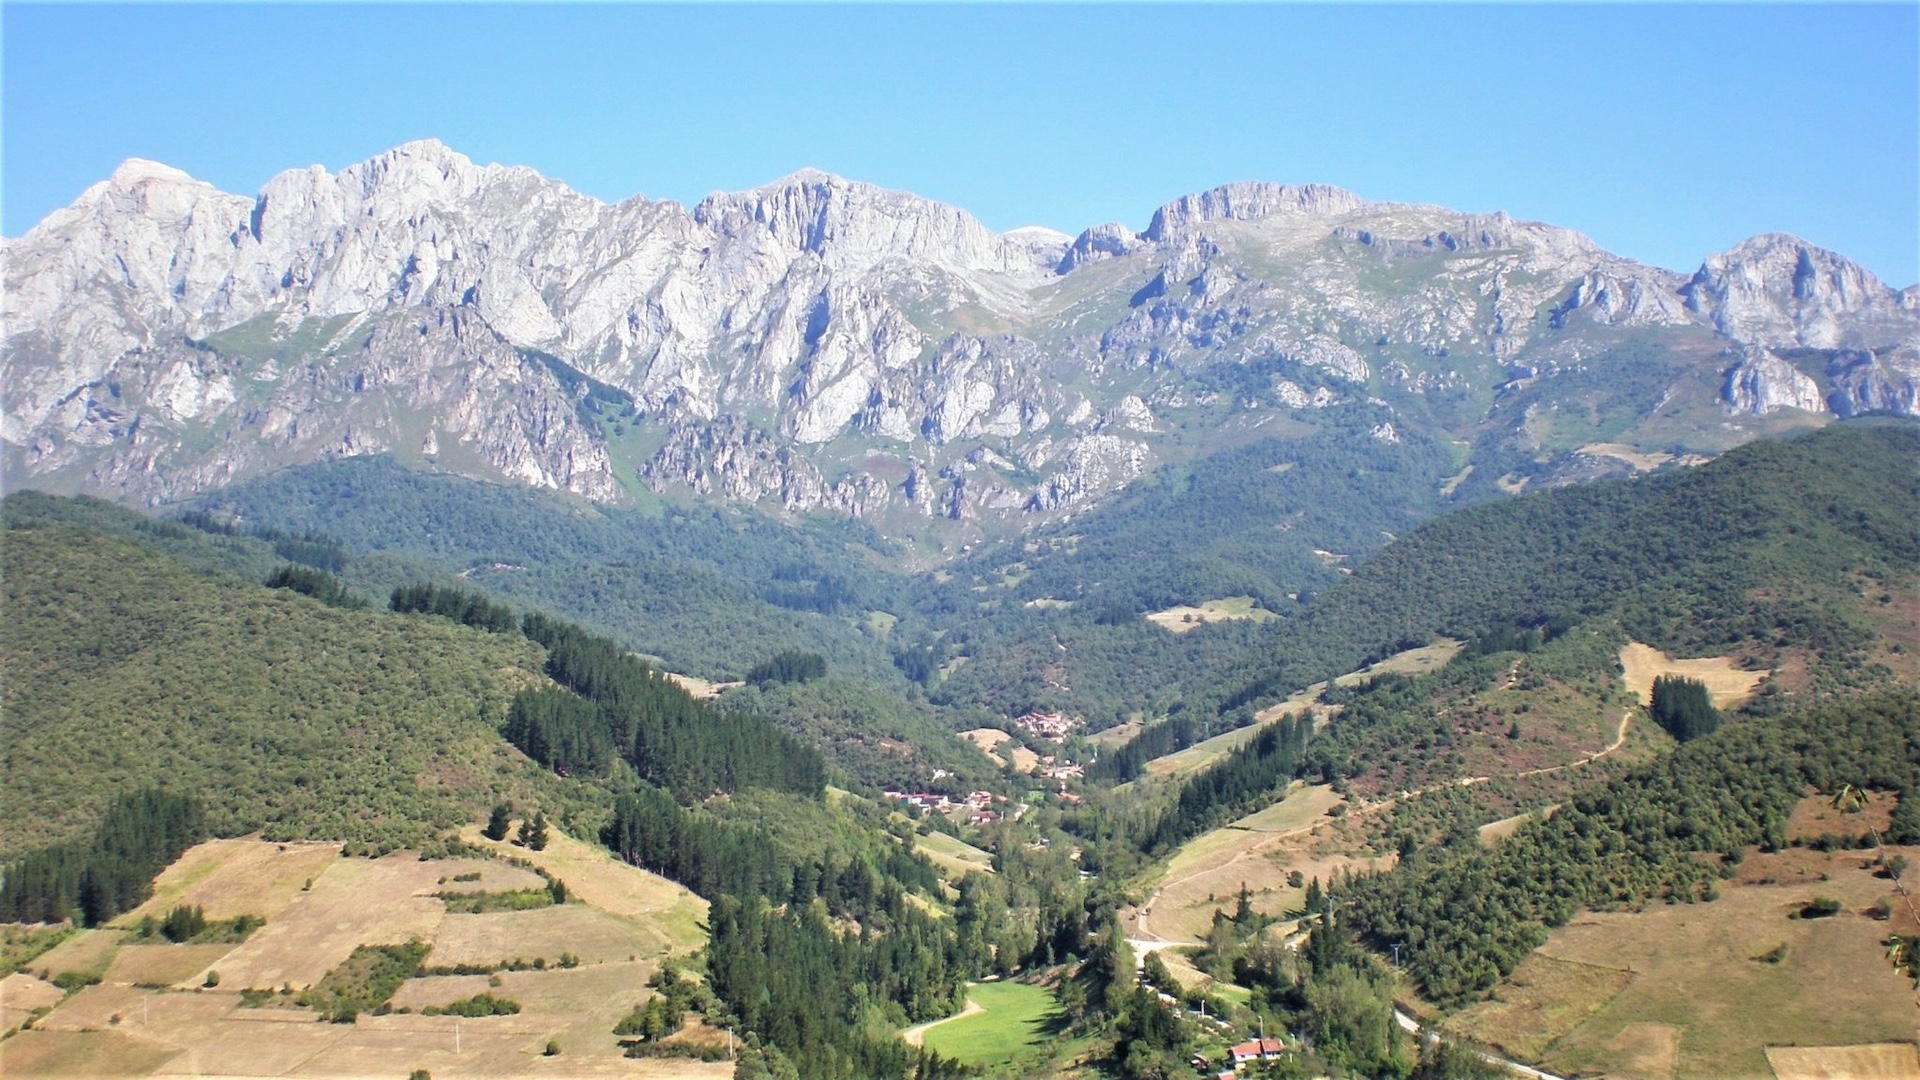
{"x":975,"y":807}
{"x":1052,"y":726}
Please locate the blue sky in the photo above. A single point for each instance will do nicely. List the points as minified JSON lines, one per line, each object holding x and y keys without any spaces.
{"x":1664,"y":132}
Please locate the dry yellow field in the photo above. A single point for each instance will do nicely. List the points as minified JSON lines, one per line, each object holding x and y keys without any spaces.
{"x":235,"y":877}
{"x":1697,"y":978}
{"x":20,"y":995}
{"x":1641,"y":462}
{"x":666,"y":909}
{"x":1874,"y":1061}
{"x":1185,"y":617}
{"x":1259,"y":851}
{"x":623,"y":923}
{"x":701,"y":689}
{"x":988,"y":740}
{"x":1726,"y":684}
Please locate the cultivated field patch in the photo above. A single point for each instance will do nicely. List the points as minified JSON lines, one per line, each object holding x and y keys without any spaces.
{"x":595,"y":877}
{"x":1873,"y":1061}
{"x":21,"y":994}
{"x":595,"y":936}
{"x":1732,"y":977}
{"x":353,"y":902}
{"x":1543,"y":999}
{"x":621,"y":922}
{"x":1261,"y":852}
{"x":1726,"y":684}
{"x":80,"y":1054}
{"x":1185,"y":617}
{"x":246,"y":876}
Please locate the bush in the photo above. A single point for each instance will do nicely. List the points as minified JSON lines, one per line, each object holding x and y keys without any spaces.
{"x":1820,"y":907}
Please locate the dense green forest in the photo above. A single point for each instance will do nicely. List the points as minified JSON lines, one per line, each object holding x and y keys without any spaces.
{"x":125,"y":668}
{"x":109,"y":872}
{"x":710,"y":591}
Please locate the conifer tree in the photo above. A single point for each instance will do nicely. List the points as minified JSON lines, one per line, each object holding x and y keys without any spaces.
{"x":497,"y":823}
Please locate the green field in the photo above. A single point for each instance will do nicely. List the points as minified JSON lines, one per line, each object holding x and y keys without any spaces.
{"x":1014,"y":1021}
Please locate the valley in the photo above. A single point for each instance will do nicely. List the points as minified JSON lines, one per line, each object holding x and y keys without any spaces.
{"x":774,"y":652}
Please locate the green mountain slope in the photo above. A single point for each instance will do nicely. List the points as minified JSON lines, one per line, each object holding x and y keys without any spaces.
{"x":125,"y":668}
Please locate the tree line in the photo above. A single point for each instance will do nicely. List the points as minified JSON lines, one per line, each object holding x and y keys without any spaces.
{"x":112,"y":871}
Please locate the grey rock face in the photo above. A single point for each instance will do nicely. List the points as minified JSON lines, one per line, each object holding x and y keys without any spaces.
{"x":163,"y":337}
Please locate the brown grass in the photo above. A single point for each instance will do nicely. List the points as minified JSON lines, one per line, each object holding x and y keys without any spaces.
{"x":701,"y":689}
{"x":1815,"y":816}
{"x":20,"y":995}
{"x":626,"y":920}
{"x":594,"y":935}
{"x":89,"y":952}
{"x":163,"y":964}
{"x":1694,"y":968}
{"x":1645,"y":1052}
{"x":77,"y":1053}
{"x":1727,"y":685}
{"x":594,"y":876}
{"x":353,"y":902}
{"x":1639,"y":461}
{"x":987,"y":739}
{"x":1874,"y":1061}
{"x":1259,"y":851}
{"x":235,"y":877}
{"x":1542,"y":1000}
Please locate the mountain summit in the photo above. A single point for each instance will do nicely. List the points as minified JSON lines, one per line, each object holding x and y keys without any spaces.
{"x":828,"y":344}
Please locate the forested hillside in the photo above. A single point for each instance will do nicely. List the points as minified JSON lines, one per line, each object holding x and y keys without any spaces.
{"x":1467,"y":915}
{"x":125,"y":668}
{"x":710,"y":591}
{"x":1775,"y":540}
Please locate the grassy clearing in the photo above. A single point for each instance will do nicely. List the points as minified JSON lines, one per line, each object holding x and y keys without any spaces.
{"x":663,"y":911}
{"x":1261,"y":852}
{"x":1184,"y":617}
{"x":1011,"y":1023}
{"x":1713,"y":980}
{"x":1200,"y":755}
{"x":955,"y":857}
{"x":1726,"y":684}
{"x":1639,"y":461}
{"x":988,"y":739}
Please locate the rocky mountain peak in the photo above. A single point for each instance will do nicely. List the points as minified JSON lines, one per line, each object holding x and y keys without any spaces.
{"x":1776,"y":290}
{"x":1248,"y":201}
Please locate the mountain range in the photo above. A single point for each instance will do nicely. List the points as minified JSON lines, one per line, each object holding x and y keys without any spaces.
{"x":821,"y":344}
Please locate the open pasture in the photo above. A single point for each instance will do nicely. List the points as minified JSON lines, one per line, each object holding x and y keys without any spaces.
{"x":622,"y":921}
{"x":1260,"y":851}
{"x":235,"y":877}
{"x":1726,"y":684}
{"x":1184,"y":617}
{"x":668,"y":912}
{"x":1722,"y":981}
{"x":955,"y":857}
{"x":1011,"y":1021}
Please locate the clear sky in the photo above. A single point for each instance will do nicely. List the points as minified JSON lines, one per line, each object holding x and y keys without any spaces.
{"x":1664,"y":132}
